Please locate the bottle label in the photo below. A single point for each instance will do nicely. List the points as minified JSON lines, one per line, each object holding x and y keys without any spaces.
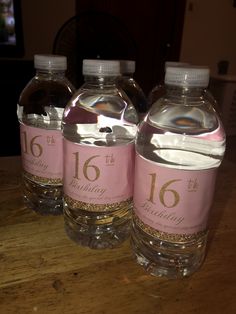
{"x":172,"y":204}
{"x":41,"y":153}
{"x":98,"y":178}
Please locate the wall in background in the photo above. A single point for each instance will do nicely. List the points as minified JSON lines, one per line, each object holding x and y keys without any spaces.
{"x":209,"y":34}
{"x":153,"y":25}
{"x":41,"y":22}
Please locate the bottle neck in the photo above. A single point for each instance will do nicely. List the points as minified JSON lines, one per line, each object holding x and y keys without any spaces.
{"x":180,"y":91}
{"x":100,"y":80}
{"x":49,"y":74}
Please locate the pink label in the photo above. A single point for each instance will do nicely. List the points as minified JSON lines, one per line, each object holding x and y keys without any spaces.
{"x":98,"y":175}
{"x":41,"y":152}
{"x":170,"y":200}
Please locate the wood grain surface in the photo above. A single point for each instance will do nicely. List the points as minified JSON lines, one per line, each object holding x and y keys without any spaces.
{"x":43,"y":271}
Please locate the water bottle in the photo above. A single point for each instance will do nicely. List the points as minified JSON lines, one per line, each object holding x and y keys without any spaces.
{"x":40,"y":110}
{"x":99,"y":128}
{"x":133,"y":90}
{"x":179,"y":147}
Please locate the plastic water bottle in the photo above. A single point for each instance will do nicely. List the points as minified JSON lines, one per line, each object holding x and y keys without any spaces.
{"x":40,"y":110}
{"x":99,"y":128}
{"x":179,"y":147}
{"x":133,"y":90}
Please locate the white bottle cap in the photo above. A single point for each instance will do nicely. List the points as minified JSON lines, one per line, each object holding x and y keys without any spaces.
{"x":127,"y":66}
{"x":50,"y":62}
{"x":188,"y":76}
{"x":99,"y":67}
{"x":175,"y":64}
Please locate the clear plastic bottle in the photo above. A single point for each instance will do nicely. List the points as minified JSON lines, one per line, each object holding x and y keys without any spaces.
{"x":39,"y":111}
{"x":99,"y":128}
{"x":179,"y":147}
{"x":133,"y":90}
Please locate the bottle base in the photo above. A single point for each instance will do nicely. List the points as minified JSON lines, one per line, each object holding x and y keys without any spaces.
{"x":43,"y":199}
{"x":166,"y":259}
{"x":100,"y":235}
{"x":44,"y":208}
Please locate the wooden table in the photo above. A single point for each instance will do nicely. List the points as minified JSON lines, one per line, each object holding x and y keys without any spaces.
{"x":42,"y":271}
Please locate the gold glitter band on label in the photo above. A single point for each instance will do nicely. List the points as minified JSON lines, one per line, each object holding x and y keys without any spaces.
{"x":43,"y":180}
{"x":74,"y":204}
{"x":172,"y":237}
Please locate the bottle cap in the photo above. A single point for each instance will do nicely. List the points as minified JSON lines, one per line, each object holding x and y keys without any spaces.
{"x":50,"y":62}
{"x":99,"y":67}
{"x":175,"y":64}
{"x":188,"y":76}
{"x":127,"y":66}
